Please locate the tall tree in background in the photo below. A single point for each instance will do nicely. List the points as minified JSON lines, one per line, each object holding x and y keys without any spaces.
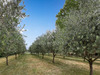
{"x":69,"y":4}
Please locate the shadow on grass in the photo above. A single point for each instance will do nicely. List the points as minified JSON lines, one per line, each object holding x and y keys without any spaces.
{"x":12,"y":64}
{"x":66,"y":69}
{"x":77,"y":59}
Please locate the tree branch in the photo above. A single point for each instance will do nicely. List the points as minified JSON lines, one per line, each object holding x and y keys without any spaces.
{"x":96,"y":58}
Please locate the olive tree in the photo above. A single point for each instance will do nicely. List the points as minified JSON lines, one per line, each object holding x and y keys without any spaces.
{"x":10,"y":16}
{"x":53,"y":44}
{"x":83,"y":28}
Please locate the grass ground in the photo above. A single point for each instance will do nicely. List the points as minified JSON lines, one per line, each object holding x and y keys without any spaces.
{"x":33,"y":65}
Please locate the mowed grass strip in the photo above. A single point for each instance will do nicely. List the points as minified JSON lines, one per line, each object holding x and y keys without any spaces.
{"x":3,"y":59}
{"x":78,"y":59}
{"x":33,"y":65}
{"x":73,"y":67}
{"x":29,"y":65}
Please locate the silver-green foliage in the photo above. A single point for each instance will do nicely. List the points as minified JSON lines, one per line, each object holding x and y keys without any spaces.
{"x":11,"y":41}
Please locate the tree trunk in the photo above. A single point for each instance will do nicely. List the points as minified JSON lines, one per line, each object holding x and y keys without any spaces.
{"x":84,"y":58}
{"x":42,"y":56}
{"x":53,"y":58}
{"x":7,"y":60}
{"x":91,"y":67}
{"x":15,"y":56}
{"x":64,"y":57}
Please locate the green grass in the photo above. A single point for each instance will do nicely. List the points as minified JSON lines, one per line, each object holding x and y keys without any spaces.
{"x":72,"y":66}
{"x":78,"y":59}
{"x":33,"y":65}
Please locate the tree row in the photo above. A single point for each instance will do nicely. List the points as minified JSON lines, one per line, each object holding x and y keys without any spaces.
{"x":11,"y":40}
{"x":77,"y":32}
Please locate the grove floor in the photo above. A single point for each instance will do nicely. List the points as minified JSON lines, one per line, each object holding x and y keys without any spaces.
{"x":33,"y":65}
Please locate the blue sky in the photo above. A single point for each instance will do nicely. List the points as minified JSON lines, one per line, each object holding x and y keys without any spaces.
{"x":42,"y":17}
